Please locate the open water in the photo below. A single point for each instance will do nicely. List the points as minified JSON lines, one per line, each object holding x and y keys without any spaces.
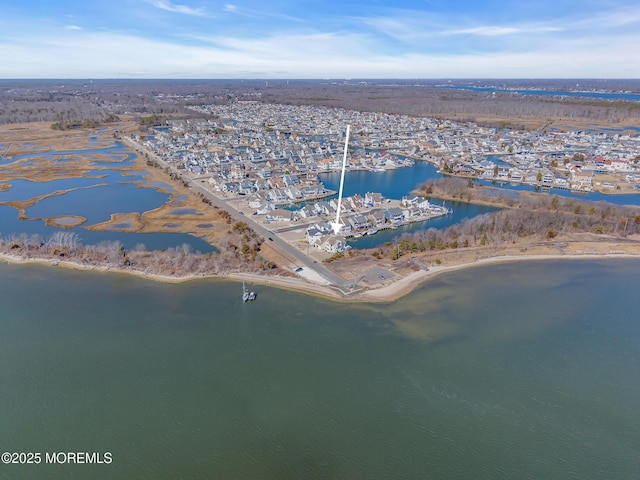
{"x":627,"y":96}
{"x":527,"y":370}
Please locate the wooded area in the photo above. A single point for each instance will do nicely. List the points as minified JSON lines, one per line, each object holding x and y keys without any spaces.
{"x":177,"y":262}
{"x":77,"y":101}
{"x":524,"y":217}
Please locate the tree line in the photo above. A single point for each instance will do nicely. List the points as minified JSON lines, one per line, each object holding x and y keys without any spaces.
{"x":77,"y":100}
{"x":524,"y":217}
{"x":178,"y":261}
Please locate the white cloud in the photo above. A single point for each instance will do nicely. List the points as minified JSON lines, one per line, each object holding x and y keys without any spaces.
{"x":415,"y":28}
{"x":73,"y":27}
{"x":246,"y":12}
{"x":341,"y":54}
{"x":235,"y":10}
{"x":496,"y":30}
{"x":184,"y":9}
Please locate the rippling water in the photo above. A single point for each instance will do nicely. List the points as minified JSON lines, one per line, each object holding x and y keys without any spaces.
{"x":526,"y":370}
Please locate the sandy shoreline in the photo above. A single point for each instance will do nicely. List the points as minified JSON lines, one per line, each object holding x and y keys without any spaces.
{"x":309,"y":282}
{"x":386,"y":293}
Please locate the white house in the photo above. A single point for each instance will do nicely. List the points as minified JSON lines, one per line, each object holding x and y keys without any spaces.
{"x":358,"y":221}
{"x":333,"y":244}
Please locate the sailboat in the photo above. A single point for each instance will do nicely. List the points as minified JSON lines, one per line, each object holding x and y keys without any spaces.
{"x":246,"y":295}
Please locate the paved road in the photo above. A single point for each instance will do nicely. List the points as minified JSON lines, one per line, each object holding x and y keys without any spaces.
{"x":293,"y":254}
{"x":296,"y":257}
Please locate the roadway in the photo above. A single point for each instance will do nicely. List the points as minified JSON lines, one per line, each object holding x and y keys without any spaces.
{"x":295,"y":256}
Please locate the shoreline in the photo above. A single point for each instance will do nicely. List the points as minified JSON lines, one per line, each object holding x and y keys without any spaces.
{"x":386,"y":293}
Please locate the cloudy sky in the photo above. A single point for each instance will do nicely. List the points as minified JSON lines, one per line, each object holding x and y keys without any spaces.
{"x":320,"y":39}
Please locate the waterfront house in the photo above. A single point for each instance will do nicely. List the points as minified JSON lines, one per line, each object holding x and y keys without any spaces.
{"x":345,"y":227}
{"x":409,"y":200}
{"x":295,"y":194}
{"x":358,"y":221}
{"x":411,"y":212}
{"x":277,"y":196}
{"x":307,"y":212}
{"x":378,"y":218}
{"x":415,"y":201}
{"x":394,"y":214}
{"x":372,"y":199}
{"x":344,"y":207}
{"x":463,"y":169}
{"x":357,"y":201}
{"x":323,"y":208}
{"x":582,"y":180}
{"x":516,"y":175}
{"x":333,"y":244}
{"x":311,"y":191}
{"x":503,"y":172}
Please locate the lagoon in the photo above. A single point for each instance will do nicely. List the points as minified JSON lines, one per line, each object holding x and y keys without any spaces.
{"x":391,"y":183}
{"x":10,"y":225}
{"x":520,"y":371}
{"x":617,"y":199}
{"x":97,"y":203}
{"x":461,"y":211}
{"x":397,"y":183}
{"x":96,"y":196}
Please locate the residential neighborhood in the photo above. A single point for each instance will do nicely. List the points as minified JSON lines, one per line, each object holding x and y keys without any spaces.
{"x":267,"y":159}
{"x":275,"y":152}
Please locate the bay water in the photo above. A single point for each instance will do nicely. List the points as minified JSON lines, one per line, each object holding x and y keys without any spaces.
{"x":524,"y":370}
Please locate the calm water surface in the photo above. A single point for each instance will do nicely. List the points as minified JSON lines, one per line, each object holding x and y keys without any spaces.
{"x":11,"y":225}
{"x":527,"y":370}
{"x":95,"y":197}
{"x":545,"y":93}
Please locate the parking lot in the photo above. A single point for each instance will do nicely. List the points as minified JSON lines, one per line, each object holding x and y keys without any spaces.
{"x":375,"y":275}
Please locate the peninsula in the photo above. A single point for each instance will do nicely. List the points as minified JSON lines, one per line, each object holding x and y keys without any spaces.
{"x":247,"y":176}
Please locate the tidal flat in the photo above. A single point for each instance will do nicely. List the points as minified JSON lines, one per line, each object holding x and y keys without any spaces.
{"x":89,"y":187}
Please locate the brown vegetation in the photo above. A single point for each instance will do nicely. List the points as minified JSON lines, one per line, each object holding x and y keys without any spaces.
{"x":524,"y":217}
{"x":525,"y":222}
{"x":176,"y":262}
{"x":76,"y":102}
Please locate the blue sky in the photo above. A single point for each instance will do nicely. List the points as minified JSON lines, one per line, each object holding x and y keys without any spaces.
{"x":320,"y":39}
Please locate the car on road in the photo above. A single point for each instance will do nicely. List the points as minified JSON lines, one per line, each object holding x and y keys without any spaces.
{"x":299,"y":269}
{"x":270,"y":239}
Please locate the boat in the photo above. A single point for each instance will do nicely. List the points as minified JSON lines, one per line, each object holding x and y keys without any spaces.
{"x":246,"y":295}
